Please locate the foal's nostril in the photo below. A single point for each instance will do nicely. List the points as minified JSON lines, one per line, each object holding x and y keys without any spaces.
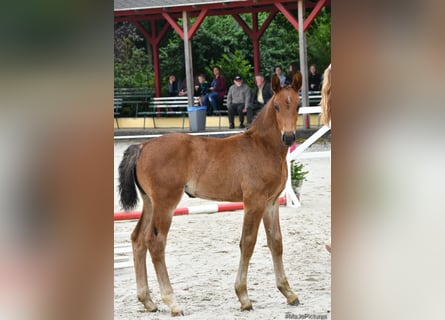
{"x":288,"y":138}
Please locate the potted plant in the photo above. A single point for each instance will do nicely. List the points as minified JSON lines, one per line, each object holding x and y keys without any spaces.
{"x":297,"y":175}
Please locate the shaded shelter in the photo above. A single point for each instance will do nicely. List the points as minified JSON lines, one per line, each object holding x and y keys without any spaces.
{"x":164,"y":14}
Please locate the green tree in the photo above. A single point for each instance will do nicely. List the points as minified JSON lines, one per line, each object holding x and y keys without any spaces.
{"x":219,"y":35}
{"x":233,"y":64}
{"x":220,"y":40}
{"x":318,"y":40}
{"x":278,"y":45}
{"x":131,"y":66}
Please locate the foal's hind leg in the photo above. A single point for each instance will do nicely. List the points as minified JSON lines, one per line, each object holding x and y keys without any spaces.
{"x":139,"y":256}
{"x":252,"y":218}
{"x":271,"y":220}
{"x":163,"y":208}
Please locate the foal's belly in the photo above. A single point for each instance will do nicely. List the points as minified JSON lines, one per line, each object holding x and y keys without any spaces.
{"x":214,"y":190}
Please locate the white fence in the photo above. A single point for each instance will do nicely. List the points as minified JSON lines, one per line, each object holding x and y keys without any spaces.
{"x":297,"y":153}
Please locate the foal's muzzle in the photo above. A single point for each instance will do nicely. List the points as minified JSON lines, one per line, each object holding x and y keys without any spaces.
{"x":288,"y":138}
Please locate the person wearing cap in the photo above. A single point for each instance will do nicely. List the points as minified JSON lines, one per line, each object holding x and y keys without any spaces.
{"x":260,"y":96}
{"x":238,"y":100}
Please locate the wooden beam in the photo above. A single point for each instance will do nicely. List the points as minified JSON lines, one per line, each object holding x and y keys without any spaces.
{"x":174,"y":24}
{"x":144,"y":32}
{"x":307,"y":22}
{"x":267,"y":22}
{"x":197,"y":22}
{"x":188,"y":58}
{"x":255,"y":22}
{"x":156,"y":69}
{"x":243,"y":25}
{"x":219,"y":8}
{"x":255,"y":42}
{"x":287,"y":14}
{"x":303,"y":56}
{"x":162,"y":33}
{"x":154,"y":39}
{"x":255,"y":34}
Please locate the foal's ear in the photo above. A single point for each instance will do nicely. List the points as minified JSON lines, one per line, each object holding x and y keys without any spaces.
{"x":275,"y":83}
{"x":297,"y":81}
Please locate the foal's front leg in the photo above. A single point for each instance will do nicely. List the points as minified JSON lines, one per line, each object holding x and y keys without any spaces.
{"x":252,"y":218}
{"x":271,"y":220}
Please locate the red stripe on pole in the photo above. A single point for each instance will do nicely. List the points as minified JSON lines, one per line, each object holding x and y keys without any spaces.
{"x":127,"y":215}
{"x":232,"y":206}
{"x":181,"y":211}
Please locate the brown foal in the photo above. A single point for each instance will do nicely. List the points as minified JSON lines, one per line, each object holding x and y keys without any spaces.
{"x":249,"y":167}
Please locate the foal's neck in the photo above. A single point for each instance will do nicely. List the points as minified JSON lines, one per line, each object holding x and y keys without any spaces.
{"x":265,"y":129}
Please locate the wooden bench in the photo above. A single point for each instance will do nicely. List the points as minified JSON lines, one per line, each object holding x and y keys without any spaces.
{"x":134,"y":97}
{"x":117,"y":109}
{"x":165,"y":106}
{"x":177,"y":106}
{"x":314,"y":98}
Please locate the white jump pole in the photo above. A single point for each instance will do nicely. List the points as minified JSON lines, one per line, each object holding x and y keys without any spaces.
{"x":291,"y":197}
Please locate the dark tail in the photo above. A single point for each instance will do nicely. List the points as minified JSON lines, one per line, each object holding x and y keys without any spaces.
{"x":127,"y":179}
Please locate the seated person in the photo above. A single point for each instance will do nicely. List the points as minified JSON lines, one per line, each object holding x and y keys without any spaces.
{"x":314,"y":79}
{"x":217,"y":91}
{"x":279,"y":72}
{"x":260,"y":96}
{"x":174,"y":86}
{"x":183,"y":90}
{"x":202,"y":88}
{"x":293,"y":68}
{"x":238,"y":100}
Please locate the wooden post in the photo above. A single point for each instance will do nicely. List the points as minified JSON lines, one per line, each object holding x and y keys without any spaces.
{"x":256,"y":43}
{"x":188,"y":57}
{"x":303,"y":61}
{"x":255,"y":33}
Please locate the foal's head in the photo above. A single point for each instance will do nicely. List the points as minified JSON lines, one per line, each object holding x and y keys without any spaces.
{"x":285,"y":102}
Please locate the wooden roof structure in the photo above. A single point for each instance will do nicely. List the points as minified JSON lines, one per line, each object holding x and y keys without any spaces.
{"x":135,"y":11}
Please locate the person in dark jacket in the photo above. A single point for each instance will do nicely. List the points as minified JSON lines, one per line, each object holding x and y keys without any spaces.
{"x":202,"y":88}
{"x":174,"y":86}
{"x":260,"y":96}
{"x":314,"y":79}
{"x":293,"y":69}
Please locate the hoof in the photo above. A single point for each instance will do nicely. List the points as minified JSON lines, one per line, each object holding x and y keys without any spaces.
{"x":151,"y":307}
{"x":293,"y":301}
{"x":177,"y":313}
{"x":328,"y":246}
{"x":247,"y":307}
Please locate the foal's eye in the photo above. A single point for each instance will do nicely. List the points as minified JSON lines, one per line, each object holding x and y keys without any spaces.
{"x":277,"y":108}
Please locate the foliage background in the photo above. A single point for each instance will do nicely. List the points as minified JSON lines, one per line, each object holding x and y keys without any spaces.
{"x":219,"y":41}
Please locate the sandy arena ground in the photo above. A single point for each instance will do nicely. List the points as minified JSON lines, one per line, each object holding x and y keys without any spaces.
{"x":202,"y":257}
